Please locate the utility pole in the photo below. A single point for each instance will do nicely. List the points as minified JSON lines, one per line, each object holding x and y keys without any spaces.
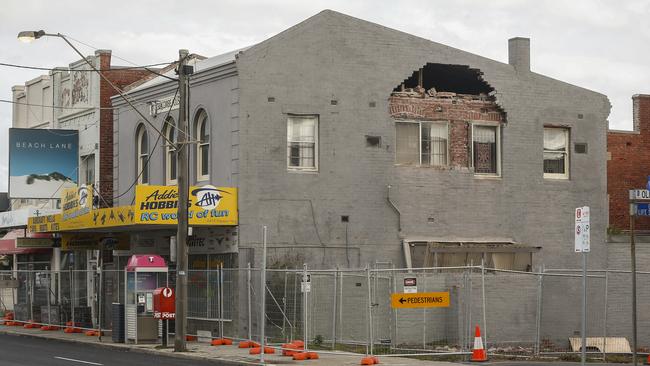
{"x":180,"y":343}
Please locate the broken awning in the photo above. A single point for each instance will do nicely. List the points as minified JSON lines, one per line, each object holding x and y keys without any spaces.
{"x":8,"y":242}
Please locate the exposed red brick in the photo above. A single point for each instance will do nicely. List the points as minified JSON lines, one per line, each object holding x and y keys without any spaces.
{"x":120,"y":78}
{"x":459,"y":110}
{"x":629,"y":165}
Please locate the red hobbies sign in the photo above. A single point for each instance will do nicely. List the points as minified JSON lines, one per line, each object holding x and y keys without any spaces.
{"x":164,"y":303}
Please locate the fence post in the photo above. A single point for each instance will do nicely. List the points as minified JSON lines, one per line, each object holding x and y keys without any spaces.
{"x":304,"y":303}
{"x":370,"y":335}
{"x":538,"y":317}
{"x":334,"y":309}
{"x":248,"y":295}
{"x":49,"y":302}
{"x":221,"y":312}
{"x":71,"y":282}
{"x":263,"y":295}
{"x":605,"y":317}
{"x":284,"y":309}
{"x":295,"y":305}
{"x":485,"y":332}
{"x":99,"y":295}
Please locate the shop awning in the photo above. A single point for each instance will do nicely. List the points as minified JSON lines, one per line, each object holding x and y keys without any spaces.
{"x":8,"y":242}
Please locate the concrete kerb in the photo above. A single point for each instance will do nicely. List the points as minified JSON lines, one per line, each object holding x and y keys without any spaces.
{"x":128,"y":348}
{"x":232,"y":360}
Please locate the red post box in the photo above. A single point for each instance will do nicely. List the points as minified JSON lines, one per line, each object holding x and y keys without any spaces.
{"x":164,"y":303}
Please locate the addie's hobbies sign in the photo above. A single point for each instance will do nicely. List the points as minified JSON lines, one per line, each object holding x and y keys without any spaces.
{"x":42,"y":162}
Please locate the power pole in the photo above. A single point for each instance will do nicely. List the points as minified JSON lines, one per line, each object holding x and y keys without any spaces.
{"x":180,"y":344}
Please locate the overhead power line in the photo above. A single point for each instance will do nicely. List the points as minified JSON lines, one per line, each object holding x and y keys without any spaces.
{"x":118,"y":68}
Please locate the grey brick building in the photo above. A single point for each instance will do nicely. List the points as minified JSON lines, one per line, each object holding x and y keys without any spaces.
{"x":358,"y":144}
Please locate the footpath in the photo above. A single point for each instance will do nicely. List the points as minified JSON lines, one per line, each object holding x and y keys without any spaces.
{"x":226,"y":355}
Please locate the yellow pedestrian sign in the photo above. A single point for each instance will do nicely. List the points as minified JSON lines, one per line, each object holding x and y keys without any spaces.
{"x":420,"y":300}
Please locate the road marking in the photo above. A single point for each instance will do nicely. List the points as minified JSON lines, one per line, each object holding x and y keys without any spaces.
{"x":80,"y":361}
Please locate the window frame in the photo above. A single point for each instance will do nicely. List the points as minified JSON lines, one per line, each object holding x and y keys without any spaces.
{"x":142,"y":160}
{"x":498,"y":144}
{"x":445,"y":123}
{"x":311,"y":169}
{"x":86,"y":165}
{"x":171,"y":134}
{"x":567,"y":159}
{"x":201,"y":120}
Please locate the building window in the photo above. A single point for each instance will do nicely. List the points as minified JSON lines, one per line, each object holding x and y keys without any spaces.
{"x":486,"y":149}
{"x":142,"y":151}
{"x":422,"y":143}
{"x":203,"y":147}
{"x":88,"y":168}
{"x":170,"y":152}
{"x":302,"y":142}
{"x":556,"y":153}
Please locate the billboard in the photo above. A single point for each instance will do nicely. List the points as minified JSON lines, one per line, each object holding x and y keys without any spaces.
{"x":209,"y":205}
{"x":42,"y":162}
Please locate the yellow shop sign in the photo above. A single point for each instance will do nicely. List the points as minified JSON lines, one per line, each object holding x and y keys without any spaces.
{"x":208,"y":205}
{"x":76,"y":201}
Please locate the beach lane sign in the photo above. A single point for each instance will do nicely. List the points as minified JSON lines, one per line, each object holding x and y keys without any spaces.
{"x":419,"y":300}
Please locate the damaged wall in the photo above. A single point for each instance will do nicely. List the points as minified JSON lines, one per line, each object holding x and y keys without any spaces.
{"x":344,"y":70}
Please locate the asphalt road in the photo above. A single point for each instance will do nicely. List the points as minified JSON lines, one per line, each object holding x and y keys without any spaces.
{"x":29,"y":351}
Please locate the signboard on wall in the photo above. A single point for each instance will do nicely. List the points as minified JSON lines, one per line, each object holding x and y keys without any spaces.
{"x":209,"y":205}
{"x":41,"y":162}
{"x":76,"y":201}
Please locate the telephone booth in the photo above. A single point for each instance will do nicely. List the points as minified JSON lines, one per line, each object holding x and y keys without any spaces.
{"x":144,"y":274}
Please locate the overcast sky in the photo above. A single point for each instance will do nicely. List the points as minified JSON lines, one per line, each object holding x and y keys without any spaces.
{"x":599,"y":45}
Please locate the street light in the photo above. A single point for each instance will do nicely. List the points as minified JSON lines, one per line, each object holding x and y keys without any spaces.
{"x":184,"y":71}
{"x":29,"y":36}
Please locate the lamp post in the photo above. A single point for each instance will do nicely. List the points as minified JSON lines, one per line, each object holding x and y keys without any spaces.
{"x":180,"y":344}
{"x":29,"y":36}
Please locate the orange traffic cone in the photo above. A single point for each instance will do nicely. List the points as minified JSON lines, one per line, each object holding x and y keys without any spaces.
{"x":478,"y":354}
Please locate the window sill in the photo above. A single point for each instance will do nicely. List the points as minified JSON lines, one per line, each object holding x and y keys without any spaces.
{"x":556,"y":179}
{"x":302,"y":171}
{"x":203,"y":178}
{"x":487,"y":177}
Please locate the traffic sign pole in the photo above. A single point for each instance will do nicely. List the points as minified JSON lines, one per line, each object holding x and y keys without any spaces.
{"x":633,"y":265}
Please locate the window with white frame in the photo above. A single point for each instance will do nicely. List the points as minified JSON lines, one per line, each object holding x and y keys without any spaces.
{"x":202,"y":133}
{"x":302,"y":143}
{"x":486,"y":149}
{"x":142,"y":152}
{"x":422,"y":143}
{"x":556,"y":153}
{"x":88,"y":168}
{"x":170,"y":152}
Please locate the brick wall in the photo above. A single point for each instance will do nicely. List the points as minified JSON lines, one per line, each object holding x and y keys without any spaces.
{"x":628,"y":164}
{"x":119,"y":78}
{"x":459,"y":109}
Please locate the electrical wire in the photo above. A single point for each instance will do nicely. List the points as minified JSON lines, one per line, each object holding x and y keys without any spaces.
{"x":118,"y":57}
{"x":85,"y":70}
{"x":146,"y":164}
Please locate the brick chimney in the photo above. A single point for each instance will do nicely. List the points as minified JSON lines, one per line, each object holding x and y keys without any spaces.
{"x":641,"y":112}
{"x":519,"y":53}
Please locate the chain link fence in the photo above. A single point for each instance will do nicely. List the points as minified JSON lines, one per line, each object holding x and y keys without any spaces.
{"x":350,"y":310}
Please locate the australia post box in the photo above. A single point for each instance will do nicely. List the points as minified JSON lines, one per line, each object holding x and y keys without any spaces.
{"x":164,"y":303}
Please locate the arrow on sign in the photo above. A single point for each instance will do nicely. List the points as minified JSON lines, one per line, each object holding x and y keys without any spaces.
{"x":401,"y":300}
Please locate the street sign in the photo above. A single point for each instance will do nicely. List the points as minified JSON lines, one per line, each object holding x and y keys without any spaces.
{"x":642,"y":209}
{"x":305,"y":284}
{"x":639,"y":194}
{"x":419,"y":300}
{"x":410,"y":285}
{"x":582,"y":229}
